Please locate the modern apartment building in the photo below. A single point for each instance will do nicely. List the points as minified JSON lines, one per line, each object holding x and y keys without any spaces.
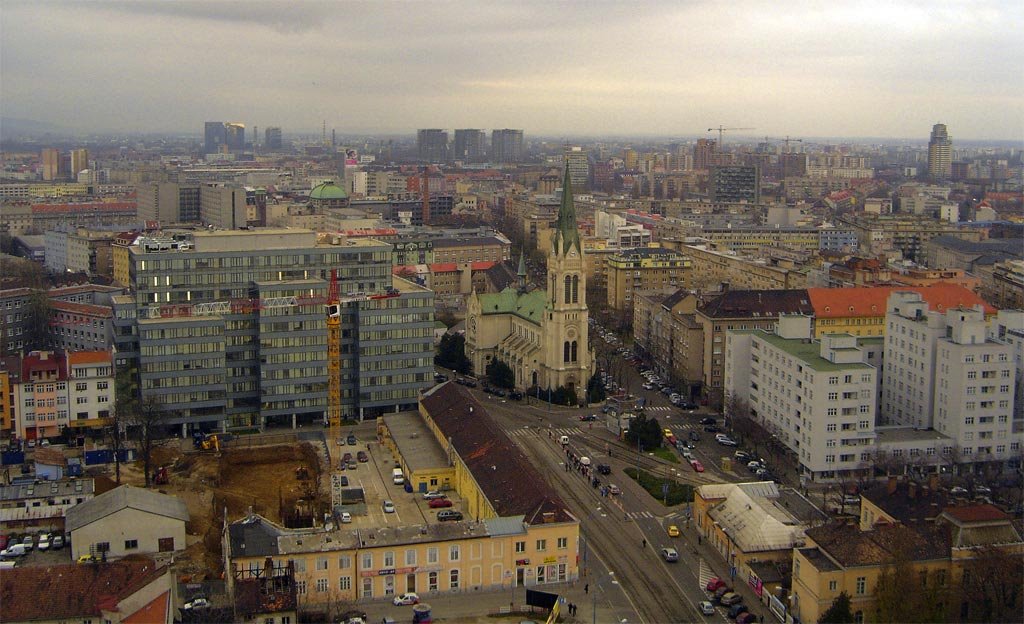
{"x":940,"y":152}
{"x":579,"y":168}
{"x":735,"y":183}
{"x":432,"y":145}
{"x":816,"y":397}
{"x":168,"y":202}
{"x":272,"y":138}
{"x":648,"y":268}
{"x":228,"y":328}
{"x":223,"y":206}
{"x":945,"y":372}
{"x":1008,"y":327}
{"x":506,"y":146}
{"x":469,"y":146}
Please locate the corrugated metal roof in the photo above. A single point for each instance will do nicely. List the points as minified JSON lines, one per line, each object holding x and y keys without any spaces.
{"x":122,"y":498}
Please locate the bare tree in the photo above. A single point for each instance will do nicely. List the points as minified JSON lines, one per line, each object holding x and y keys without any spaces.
{"x":148,"y":421}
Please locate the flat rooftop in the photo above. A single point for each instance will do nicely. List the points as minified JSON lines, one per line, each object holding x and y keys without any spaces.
{"x":809,"y":353}
{"x":890,"y":435}
{"x":416,"y":443}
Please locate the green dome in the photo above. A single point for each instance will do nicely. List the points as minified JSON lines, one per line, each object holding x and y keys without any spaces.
{"x":328,"y":190}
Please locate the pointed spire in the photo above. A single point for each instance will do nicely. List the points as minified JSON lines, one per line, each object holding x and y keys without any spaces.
{"x":566,"y":231}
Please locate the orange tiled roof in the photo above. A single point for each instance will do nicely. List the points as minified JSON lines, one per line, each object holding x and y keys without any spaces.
{"x":871,"y":301}
{"x":977,"y":513}
{"x":88,"y":357}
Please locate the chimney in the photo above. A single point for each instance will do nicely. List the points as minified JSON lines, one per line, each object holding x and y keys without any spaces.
{"x":912,"y":489}
{"x":891,"y":488}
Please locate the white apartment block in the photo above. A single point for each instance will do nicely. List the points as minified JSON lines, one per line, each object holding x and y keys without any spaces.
{"x":950,"y":373}
{"x":974,"y":389}
{"x":1008,"y":327}
{"x":910,"y":335}
{"x":818,"y":398}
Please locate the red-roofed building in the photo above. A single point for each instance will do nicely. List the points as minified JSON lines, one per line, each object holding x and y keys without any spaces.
{"x":453,"y":281}
{"x":128,"y":591}
{"x":57,"y":390}
{"x":861,"y":311}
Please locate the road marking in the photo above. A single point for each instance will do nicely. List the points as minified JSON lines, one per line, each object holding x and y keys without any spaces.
{"x":640,"y":514}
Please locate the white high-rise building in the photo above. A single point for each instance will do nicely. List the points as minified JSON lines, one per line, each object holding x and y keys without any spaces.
{"x":1008,"y":326}
{"x":818,"y":398}
{"x":910,"y":335}
{"x":945,"y":372}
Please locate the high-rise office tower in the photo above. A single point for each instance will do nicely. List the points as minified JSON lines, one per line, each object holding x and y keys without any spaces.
{"x":272,"y":138}
{"x":432,"y":145}
{"x":506,"y":146}
{"x":579,"y":168}
{"x":79,"y":161}
{"x":214,"y":136}
{"x":940,"y":153}
{"x":734,"y":183}
{"x":234,"y":133}
{"x":469,"y":146}
{"x":51,"y":163}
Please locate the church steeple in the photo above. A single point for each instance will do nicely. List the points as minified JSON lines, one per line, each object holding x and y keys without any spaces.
{"x":521,"y":274}
{"x":567,"y":233}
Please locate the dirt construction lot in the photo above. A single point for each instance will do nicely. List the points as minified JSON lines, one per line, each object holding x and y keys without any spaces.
{"x":269,"y":479}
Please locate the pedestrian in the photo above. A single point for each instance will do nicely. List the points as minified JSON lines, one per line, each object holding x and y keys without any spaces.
{"x":698,"y":539}
{"x":586,"y":588}
{"x":643,"y":543}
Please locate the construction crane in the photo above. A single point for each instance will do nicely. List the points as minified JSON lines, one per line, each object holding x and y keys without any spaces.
{"x":333,"y":352}
{"x":786,"y":140}
{"x":722,"y":129}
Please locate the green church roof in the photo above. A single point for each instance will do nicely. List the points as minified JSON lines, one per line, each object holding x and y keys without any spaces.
{"x":529,"y":306}
{"x":328,"y":190}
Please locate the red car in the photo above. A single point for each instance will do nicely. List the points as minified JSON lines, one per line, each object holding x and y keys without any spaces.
{"x":440,"y":502}
{"x":362,"y":456}
{"x":714,"y":583}
{"x":347,"y":457}
{"x":697,"y":466}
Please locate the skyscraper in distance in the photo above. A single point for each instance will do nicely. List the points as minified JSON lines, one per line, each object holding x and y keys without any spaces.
{"x":79,"y":161}
{"x":469,"y":145}
{"x":940,"y":153}
{"x":51,"y":163}
{"x":214,"y":136}
{"x":234,"y":132}
{"x":432,"y":145}
{"x":272,"y":138}
{"x":506,"y":146}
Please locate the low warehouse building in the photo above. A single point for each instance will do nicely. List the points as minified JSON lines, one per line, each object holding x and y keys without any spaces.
{"x":127,"y":521}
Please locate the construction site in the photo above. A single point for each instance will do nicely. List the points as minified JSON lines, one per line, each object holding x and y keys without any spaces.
{"x":277,"y":476}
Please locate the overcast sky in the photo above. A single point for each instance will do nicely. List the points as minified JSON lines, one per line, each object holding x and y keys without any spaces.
{"x":854,"y":69}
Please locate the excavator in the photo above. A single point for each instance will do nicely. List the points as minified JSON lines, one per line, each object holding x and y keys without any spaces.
{"x":209,"y":441}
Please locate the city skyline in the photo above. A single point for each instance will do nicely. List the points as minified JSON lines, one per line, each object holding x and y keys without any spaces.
{"x":878,"y":70}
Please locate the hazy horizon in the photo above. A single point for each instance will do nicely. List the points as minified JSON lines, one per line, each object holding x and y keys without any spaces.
{"x":573,"y":69}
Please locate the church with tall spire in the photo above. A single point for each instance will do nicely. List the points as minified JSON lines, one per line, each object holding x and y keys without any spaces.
{"x":542,"y":334}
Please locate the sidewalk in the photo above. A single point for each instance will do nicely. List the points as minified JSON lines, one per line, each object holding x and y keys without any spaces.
{"x":714,"y":560}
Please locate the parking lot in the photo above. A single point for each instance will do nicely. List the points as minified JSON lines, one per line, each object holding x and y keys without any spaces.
{"x":37,"y":557}
{"x":374,"y":477}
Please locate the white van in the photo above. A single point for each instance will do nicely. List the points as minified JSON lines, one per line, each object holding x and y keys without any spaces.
{"x":397,"y":477}
{"x":14,"y":550}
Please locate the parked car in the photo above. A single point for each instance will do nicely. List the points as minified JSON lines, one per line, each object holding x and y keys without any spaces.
{"x":362,"y":456}
{"x":439,"y":502}
{"x":708,"y":421}
{"x":44,"y":542}
{"x":697,"y":466}
{"x":87,"y":559}
{"x":736,"y":609}
{"x":27,"y":542}
{"x":687,"y":406}
{"x":346,"y":458}
{"x":515,"y":395}
{"x":727,"y":442}
{"x":431,"y":495}
{"x":406,"y":599}
{"x":712,"y":428}
{"x":14,"y":550}
{"x":669,"y":554}
{"x":449,"y":514}
{"x":687,"y":455}
{"x":351,"y":439}
{"x":746,"y":618}
{"x":346,"y":517}
{"x":389,"y":507}
{"x":199,"y":602}
{"x":714,"y":583}
{"x":614,"y":489}
{"x":730,"y":598}
{"x":706,"y":608}
{"x":721,"y":591}
{"x":604,"y":469}
{"x":344,"y":481}
{"x":742,"y":456}
{"x":694,"y":436}
{"x":754,"y":465}
{"x":588,"y":417}
{"x":58,"y":542}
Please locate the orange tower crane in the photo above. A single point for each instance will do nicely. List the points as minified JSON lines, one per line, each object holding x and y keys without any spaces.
{"x":333,"y":352}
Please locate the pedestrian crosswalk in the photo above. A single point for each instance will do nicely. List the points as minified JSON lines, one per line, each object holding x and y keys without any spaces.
{"x":534,"y":431}
{"x":658,"y":408}
{"x":640,"y":514}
